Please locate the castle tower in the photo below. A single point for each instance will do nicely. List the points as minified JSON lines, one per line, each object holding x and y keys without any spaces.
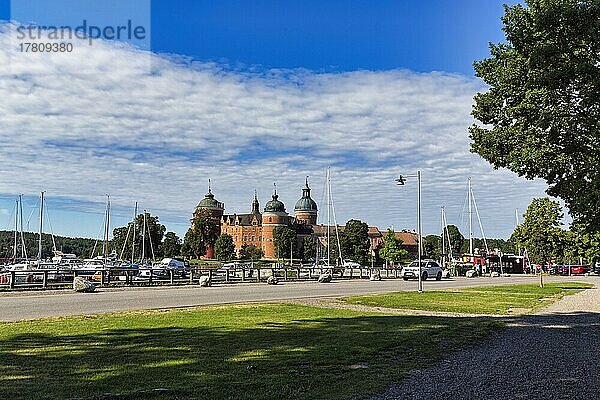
{"x":306,"y":208}
{"x":216,"y":209}
{"x":273,"y":216}
{"x":255,"y":205}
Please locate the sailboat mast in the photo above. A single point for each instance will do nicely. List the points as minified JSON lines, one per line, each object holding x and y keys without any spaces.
{"x":106,"y":229}
{"x":135,"y":211}
{"x":16,"y":230}
{"x":39,"y":257}
{"x":144,"y":239}
{"x":516,"y":225}
{"x":328,"y":216}
{"x":443,"y":238}
{"x":23,"y":247}
{"x":480,"y":225}
{"x":470,"y":218}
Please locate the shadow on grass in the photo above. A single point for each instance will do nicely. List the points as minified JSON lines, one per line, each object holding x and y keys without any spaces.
{"x":547,"y":356}
{"x":199,"y":357}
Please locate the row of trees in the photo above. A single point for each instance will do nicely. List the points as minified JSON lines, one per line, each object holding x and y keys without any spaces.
{"x":542,"y":236}
{"x":354,"y":243}
{"x":80,"y":246}
{"x":156,"y":241}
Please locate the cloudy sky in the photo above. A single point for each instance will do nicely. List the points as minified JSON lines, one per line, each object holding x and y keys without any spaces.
{"x":249,"y":96}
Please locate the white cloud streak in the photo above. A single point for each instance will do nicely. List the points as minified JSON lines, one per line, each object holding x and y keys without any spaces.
{"x":157,"y":137}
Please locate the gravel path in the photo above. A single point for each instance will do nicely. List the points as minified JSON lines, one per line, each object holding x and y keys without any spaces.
{"x":551,"y":355}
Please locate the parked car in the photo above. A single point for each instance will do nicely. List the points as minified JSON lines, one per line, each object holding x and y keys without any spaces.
{"x":351,"y":264}
{"x":428,"y":269}
{"x":576,"y":269}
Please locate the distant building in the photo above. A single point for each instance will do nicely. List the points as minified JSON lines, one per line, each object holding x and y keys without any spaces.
{"x":410,"y":242}
{"x":216,"y":209}
{"x":256,"y":228}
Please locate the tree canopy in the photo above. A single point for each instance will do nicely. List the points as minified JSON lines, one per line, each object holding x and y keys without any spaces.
{"x":457,"y":239}
{"x":540,"y":233}
{"x":392,"y":250}
{"x":170,"y":246}
{"x":224,"y":248}
{"x":202,"y":233}
{"x":540,"y":116}
{"x":284,"y":240}
{"x":355,"y":241}
{"x":250,"y":252}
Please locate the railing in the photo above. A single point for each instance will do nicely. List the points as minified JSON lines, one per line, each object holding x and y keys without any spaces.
{"x":60,"y":278}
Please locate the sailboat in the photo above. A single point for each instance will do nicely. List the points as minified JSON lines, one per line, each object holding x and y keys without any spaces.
{"x":339,"y":261}
{"x":473,"y":259}
{"x":19,"y":264}
{"x":447,"y":255}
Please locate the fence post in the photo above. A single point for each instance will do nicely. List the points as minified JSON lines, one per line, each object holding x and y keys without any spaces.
{"x":227,"y":275}
{"x":191,"y":275}
{"x":210,"y":274}
{"x":45,"y":280}
{"x":285,"y":277}
{"x":12,"y":279}
{"x":258,"y":274}
{"x":150,"y":278}
{"x":171,"y":276}
{"x":102,"y":277}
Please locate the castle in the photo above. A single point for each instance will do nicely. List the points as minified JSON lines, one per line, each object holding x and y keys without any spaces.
{"x":256,"y":228}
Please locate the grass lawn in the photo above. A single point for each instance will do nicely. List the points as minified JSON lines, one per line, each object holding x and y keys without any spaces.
{"x":269,"y":351}
{"x":479,"y":300}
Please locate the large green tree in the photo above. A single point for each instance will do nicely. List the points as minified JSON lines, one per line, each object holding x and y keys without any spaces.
{"x":432,"y":246}
{"x":309,"y":248}
{"x":540,"y":233}
{"x":355,"y":241}
{"x":202,"y":233}
{"x":250,"y":252}
{"x":457,"y":240}
{"x":284,"y":240}
{"x":540,"y":116}
{"x":170,"y":246}
{"x":224,"y":248}
{"x":392,"y":250}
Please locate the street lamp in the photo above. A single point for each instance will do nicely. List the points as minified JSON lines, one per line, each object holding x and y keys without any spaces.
{"x":401,"y":181}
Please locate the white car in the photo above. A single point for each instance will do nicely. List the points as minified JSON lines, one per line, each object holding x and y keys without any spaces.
{"x":351,"y":264}
{"x":429,"y":269}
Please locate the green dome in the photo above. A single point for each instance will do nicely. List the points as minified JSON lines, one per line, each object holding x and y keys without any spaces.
{"x":209,"y":201}
{"x":274,"y":205}
{"x":306,"y":203}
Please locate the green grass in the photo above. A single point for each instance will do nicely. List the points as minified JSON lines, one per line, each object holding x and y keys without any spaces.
{"x":499,"y":299}
{"x":270,"y":351}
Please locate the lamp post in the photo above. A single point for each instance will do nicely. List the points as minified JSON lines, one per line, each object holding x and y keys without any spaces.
{"x":401,"y":181}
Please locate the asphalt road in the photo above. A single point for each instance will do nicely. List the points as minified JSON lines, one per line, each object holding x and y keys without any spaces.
{"x":16,"y":306}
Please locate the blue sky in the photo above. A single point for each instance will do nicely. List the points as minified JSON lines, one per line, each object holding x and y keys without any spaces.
{"x":252,"y":92}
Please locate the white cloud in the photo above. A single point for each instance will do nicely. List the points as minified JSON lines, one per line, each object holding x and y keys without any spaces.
{"x":157,"y":137}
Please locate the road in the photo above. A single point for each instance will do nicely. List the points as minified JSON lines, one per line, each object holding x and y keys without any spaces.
{"x":16,"y":306}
